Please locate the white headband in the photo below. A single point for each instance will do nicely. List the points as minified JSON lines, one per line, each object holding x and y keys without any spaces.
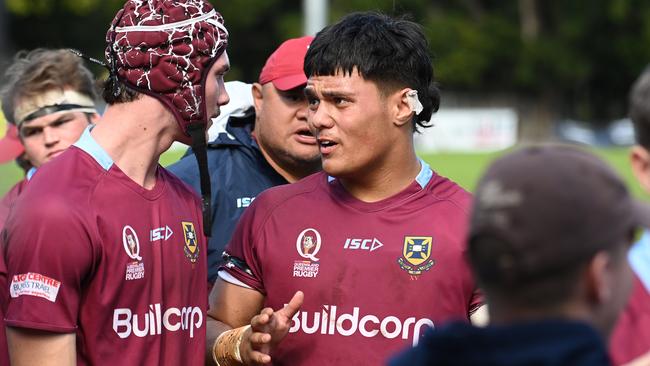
{"x":51,"y":102}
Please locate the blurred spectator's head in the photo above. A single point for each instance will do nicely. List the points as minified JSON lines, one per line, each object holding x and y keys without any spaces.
{"x":639,"y":108}
{"x":639,"y":112}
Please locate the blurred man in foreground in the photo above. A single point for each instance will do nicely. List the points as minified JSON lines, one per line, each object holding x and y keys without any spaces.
{"x":549,"y":232}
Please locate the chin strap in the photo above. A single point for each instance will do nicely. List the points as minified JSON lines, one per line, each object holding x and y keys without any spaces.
{"x":199,"y":145}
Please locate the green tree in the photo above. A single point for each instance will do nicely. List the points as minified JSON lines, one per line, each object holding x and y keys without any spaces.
{"x":573,"y":58}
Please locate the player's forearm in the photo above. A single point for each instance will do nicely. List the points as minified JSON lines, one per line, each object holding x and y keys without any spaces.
{"x":231,"y":308}
{"x":213,"y":331}
{"x":32,"y":347}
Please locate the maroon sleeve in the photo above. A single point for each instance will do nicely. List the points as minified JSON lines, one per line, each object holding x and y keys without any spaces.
{"x":4,"y":351}
{"x":48,"y":256}
{"x":241,"y":257}
{"x":630,"y":338}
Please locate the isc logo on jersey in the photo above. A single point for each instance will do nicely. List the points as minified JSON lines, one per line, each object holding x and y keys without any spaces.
{"x":153,"y":322}
{"x":161,"y":233}
{"x":363,"y":244}
{"x":328,"y":322}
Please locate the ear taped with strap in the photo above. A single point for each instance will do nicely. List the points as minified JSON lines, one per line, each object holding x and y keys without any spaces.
{"x":413,"y":101}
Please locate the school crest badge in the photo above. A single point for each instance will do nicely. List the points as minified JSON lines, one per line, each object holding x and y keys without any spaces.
{"x":191,"y":247}
{"x":416,"y":255}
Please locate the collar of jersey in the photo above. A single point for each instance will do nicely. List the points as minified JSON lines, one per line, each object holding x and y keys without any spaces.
{"x":423,"y":178}
{"x":30,"y":173}
{"x":88,"y":144}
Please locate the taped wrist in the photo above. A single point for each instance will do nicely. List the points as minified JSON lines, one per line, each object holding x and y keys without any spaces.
{"x":225,"y":351}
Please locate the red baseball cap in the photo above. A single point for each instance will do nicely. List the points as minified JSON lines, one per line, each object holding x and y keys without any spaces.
{"x":10,"y":145}
{"x":285,"y":66}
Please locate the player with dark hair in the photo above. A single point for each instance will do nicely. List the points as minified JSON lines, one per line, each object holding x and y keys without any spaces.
{"x":549,"y":232}
{"x":105,"y":257}
{"x":367,"y":254}
{"x":270,"y":144}
{"x":631,"y":337}
{"x":48,"y":98}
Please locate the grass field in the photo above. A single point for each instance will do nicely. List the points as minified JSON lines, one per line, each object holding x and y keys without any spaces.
{"x":466,"y":169}
{"x":462,"y":168}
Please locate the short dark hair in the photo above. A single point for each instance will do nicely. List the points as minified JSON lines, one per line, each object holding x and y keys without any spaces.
{"x":391,"y":52}
{"x":114,"y":91}
{"x":639,"y":108}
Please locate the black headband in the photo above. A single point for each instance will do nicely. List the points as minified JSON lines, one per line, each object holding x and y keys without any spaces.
{"x":44,"y":111}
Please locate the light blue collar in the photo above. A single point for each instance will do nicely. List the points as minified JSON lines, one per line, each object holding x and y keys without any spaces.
{"x":423,"y":178}
{"x":30,"y":173}
{"x":88,"y":144}
{"x":639,"y":258}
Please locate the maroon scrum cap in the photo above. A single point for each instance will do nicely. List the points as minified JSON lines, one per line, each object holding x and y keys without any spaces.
{"x":284,"y":68}
{"x":164,"y":48}
{"x":543,"y":208}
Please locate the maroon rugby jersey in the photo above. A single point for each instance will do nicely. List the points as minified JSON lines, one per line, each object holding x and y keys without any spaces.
{"x":90,"y":251}
{"x":8,"y":200}
{"x":374,"y":274}
{"x":4,"y":352}
{"x":631,"y":336}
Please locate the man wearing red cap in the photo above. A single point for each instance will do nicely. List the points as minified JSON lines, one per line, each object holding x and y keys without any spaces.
{"x":48,"y":99}
{"x":105,"y":257}
{"x":269,"y":145}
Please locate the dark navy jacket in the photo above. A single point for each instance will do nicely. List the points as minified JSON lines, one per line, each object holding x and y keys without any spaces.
{"x":238,"y":173}
{"x":543,"y":343}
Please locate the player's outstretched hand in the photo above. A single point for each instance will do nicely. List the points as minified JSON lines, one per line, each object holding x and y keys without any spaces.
{"x":267,"y":329}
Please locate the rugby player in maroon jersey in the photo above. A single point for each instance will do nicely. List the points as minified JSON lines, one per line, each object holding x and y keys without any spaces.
{"x":368,"y":253}
{"x":104,"y":252}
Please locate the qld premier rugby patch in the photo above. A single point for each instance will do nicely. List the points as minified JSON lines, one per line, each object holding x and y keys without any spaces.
{"x":308,"y":244}
{"x":34,"y":284}
{"x":135,"y":269}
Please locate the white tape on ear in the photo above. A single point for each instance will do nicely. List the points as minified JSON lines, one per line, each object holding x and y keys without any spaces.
{"x":414,"y":101}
